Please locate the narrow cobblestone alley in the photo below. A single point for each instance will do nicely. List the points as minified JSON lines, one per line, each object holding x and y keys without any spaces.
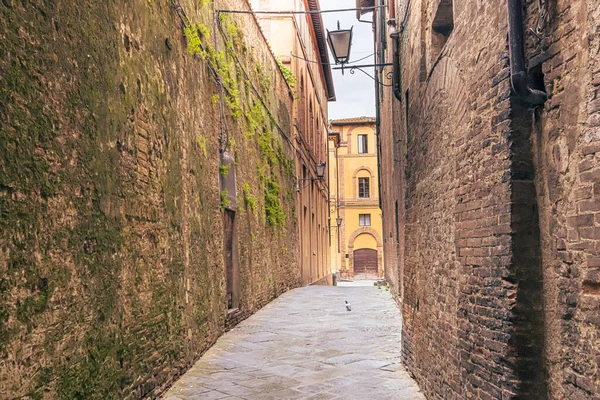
{"x":306,"y":345}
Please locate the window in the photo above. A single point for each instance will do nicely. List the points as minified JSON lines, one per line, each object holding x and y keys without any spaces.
{"x":364,"y":219}
{"x":363,"y":188}
{"x":311,"y":131}
{"x":363,"y":144}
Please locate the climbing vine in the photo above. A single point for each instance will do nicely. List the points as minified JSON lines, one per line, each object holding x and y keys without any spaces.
{"x":224,"y":169}
{"x":201,"y":143}
{"x":198,"y":36}
{"x":287,"y":73}
{"x":225,"y":199}
{"x":249,"y":199}
{"x":257,"y":124}
{"x":274,"y":211}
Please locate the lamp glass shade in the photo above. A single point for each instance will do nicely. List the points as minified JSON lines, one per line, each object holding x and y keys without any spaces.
{"x":339,"y":221}
{"x":340,"y":42}
{"x":321,"y":170}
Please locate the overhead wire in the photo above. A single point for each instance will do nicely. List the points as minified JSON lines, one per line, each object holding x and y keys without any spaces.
{"x":321,"y":63}
{"x":365,"y":9}
{"x":254,"y":89}
{"x":543,"y":17}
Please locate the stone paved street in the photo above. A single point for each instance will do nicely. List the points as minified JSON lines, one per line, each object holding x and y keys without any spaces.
{"x":305,"y":345}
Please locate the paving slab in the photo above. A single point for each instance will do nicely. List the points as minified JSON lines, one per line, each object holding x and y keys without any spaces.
{"x":306,"y":345}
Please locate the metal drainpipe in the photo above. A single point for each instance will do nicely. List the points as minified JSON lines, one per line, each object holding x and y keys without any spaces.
{"x":396,"y":84}
{"x":518,"y":73}
{"x":378,"y":59}
{"x":337,"y":196}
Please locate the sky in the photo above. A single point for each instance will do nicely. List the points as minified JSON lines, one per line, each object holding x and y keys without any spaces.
{"x":355,"y":93}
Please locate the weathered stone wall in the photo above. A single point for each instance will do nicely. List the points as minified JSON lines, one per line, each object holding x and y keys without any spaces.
{"x":112,"y":279}
{"x":497,"y":265}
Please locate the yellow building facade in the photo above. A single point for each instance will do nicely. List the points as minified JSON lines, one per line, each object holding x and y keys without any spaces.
{"x":356,"y":224}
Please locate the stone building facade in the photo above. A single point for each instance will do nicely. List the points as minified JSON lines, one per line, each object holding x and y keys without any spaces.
{"x":490,"y":201}
{"x":298,"y":40}
{"x":148,"y":190}
{"x":356,"y":244}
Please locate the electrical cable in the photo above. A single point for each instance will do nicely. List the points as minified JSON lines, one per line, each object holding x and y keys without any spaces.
{"x":318,"y":62}
{"x":542,"y":20}
{"x":361,"y":59}
{"x":403,"y":23}
{"x":256,"y":92}
{"x":185,"y":22}
{"x":366,"y":9}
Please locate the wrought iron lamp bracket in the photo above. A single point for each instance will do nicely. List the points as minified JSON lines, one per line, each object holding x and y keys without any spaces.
{"x":353,"y":68}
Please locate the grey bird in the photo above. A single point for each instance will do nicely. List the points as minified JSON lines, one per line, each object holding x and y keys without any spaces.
{"x":348,"y":306}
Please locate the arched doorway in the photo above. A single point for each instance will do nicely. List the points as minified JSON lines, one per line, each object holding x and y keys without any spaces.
{"x":365,"y":264}
{"x":364,"y":238}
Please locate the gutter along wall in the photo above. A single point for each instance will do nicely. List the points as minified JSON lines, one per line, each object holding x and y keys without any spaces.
{"x":112,"y":267}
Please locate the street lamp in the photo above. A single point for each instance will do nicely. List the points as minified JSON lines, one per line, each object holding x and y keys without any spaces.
{"x":321,"y":170}
{"x":320,"y":173}
{"x":340,"y":42}
{"x":339,"y":221}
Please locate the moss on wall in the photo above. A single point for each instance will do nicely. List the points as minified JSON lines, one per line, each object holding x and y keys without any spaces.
{"x":112,"y":280}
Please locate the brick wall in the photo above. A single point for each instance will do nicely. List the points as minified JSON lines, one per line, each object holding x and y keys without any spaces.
{"x":565,"y":138}
{"x":497,"y":264}
{"x":112,"y":279}
{"x":450,"y":158}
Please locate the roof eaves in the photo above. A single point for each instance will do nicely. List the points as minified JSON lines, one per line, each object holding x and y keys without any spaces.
{"x":317,"y":22}
{"x":356,"y":120}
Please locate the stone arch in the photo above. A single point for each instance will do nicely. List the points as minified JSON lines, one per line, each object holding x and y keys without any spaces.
{"x":363,"y":230}
{"x":360,"y":231}
{"x":355,"y":180}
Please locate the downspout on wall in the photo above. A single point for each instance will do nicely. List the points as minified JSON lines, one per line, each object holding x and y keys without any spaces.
{"x":518,"y":74}
{"x":378,"y":58}
{"x":528,"y":340}
{"x":396,"y":82}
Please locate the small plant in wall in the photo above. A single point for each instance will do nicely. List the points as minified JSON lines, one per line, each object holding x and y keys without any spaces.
{"x":249,"y":199}
{"x":224,"y":170}
{"x":194,"y":34}
{"x":287,"y":73}
{"x":225,"y":199}
{"x":273,"y":209}
{"x":201,"y":143}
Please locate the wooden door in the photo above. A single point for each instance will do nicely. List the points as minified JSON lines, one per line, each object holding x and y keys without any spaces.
{"x":230,"y":259}
{"x":365,"y":262}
